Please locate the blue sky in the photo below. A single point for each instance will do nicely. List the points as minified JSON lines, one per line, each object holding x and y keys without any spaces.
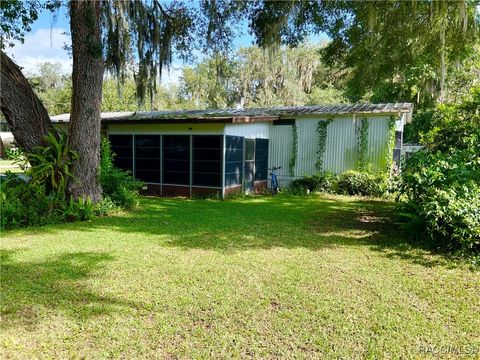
{"x":49,"y":34}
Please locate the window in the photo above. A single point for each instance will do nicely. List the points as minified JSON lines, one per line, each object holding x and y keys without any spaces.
{"x":122,"y":147}
{"x":147,"y":158}
{"x":207,"y":160}
{"x":176,"y":159}
{"x":261,"y":159}
{"x":233,"y":160}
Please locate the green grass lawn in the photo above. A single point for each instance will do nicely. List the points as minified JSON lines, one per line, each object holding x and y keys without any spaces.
{"x":256,"y":278}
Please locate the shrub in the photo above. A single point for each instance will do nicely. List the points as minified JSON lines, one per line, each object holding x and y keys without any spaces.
{"x":443,"y":190}
{"x":323,"y":182}
{"x":361,"y":183}
{"x":24,"y":204}
{"x":349,"y":183}
{"x":118,"y":185}
{"x":30,"y":204}
{"x":452,"y":217}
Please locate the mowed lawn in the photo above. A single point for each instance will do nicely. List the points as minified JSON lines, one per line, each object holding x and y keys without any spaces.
{"x":317,"y":277}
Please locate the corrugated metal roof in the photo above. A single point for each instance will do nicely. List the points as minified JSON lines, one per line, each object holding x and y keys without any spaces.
{"x":251,"y":114}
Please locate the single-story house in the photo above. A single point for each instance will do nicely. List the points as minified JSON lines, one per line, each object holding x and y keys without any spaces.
{"x":197,"y":152}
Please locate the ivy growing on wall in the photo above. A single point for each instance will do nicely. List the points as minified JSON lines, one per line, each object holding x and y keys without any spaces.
{"x":293,"y":159}
{"x":390,"y":143}
{"x":362,"y":145}
{"x":322,"y":143}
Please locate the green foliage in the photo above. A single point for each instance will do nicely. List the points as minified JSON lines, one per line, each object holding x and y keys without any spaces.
{"x":42,"y":199}
{"x":326,"y":94}
{"x":418,"y":66}
{"x":15,"y":154}
{"x":25,"y":204}
{"x":322,"y":131}
{"x":118,"y":186}
{"x":443,"y":189}
{"x":254,"y":78}
{"x":322,"y":182}
{"x":390,"y":144}
{"x":360,"y":183}
{"x":50,"y":165}
{"x":79,"y":210}
{"x":440,"y":185}
{"x":454,"y":126}
{"x":293,"y":156}
{"x":362,"y":145}
{"x":349,"y":183}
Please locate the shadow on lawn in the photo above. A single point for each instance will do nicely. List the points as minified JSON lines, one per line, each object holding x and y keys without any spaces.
{"x":30,"y":287}
{"x":291,"y":222}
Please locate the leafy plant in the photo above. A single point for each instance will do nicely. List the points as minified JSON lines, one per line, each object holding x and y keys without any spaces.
{"x":443,"y":189}
{"x":24,"y":204}
{"x":362,"y":145}
{"x":79,"y":210}
{"x":322,"y":143}
{"x":361,"y":183}
{"x":118,"y":185}
{"x":323,"y":182}
{"x":51,"y":164}
{"x":14,"y":154}
{"x":390,"y":144}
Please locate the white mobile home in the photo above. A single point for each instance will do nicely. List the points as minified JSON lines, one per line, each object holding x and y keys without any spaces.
{"x":196,"y":152}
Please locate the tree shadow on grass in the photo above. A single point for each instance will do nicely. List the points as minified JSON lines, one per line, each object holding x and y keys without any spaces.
{"x":376,"y":224}
{"x":264,"y":222}
{"x":33,"y":287}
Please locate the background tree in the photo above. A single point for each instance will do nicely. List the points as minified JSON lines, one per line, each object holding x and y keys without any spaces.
{"x":53,"y":87}
{"x":400,"y":49}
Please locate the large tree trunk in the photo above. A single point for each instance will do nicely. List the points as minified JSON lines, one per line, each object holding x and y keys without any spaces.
{"x":87,"y":77}
{"x":25,"y":114}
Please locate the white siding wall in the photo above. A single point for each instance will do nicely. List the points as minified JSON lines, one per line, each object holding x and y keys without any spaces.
{"x":341,"y":146}
{"x":378,"y":133}
{"x":280,"y":149}
{"x":249,"y":130}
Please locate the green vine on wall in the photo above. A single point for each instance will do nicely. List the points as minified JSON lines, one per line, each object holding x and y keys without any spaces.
{"x":293,"y":159}
{"x":362,"y":148}
{"x":322,"y":143}
{"x":390,"y":143}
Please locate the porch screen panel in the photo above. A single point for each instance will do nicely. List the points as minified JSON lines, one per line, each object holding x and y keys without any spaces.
{"x":147,"y":158}
{"x":207,"y":160}
{"x":261,"y":159}
{"x":122,"y":147}
{"x":176,"y":159}
{"x":233,"y":160}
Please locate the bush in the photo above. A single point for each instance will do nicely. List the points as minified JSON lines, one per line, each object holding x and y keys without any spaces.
{"x":452,"y":217}
{"x":29,"y":204}
{"x":119,"y":186}
{"x":323,"y":182}
{"x":42,"y":200}
{"x":360,"y":183}
{"x":348,"y":183}
{"x":443,"y":190}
